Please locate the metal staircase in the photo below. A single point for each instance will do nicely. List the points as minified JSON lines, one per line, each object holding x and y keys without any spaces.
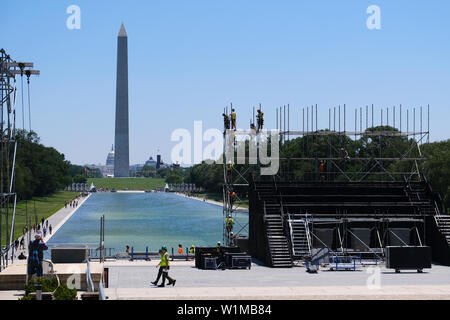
{"x":278,"y":243}
{"x":443,"y":223}
{"x":300,"y":238}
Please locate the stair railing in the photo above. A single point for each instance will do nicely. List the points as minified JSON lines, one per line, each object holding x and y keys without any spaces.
{"x":291,"y":236}
{"x":308,"y":236}
{"x":267,"y":236}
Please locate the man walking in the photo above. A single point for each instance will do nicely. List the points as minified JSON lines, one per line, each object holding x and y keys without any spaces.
{"x":165,"y":271}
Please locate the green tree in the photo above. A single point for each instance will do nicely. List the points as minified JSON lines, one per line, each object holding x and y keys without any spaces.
{"x":79,"y":178}
{"x":174,"y":178}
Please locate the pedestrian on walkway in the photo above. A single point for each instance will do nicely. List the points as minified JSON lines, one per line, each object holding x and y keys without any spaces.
{"x":165,"y":272}
{"x":44,"y":230}
{"x":180,"y":249}
{"x":50,"y":229}
{"x":46,"y":223}
{"x":22,"y":243}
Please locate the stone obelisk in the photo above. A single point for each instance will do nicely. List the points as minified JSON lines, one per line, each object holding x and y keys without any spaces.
{"x":121,"y":156}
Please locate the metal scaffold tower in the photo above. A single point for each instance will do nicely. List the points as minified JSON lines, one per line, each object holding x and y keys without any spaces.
{"x":9,"y":69}
{"x":383,"y":145}
{"x":235,"y":175}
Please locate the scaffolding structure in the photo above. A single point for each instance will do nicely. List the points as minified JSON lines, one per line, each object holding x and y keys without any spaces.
{"x":386,"y":132}
{"x":338,"y":164}
{"x":9,"y":69}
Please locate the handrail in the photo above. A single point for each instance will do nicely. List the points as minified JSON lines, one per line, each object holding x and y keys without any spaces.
{"x":292,"y":236}
{"x":101,"y":291}
{"x":89,"y":282}
{"x":308,"y":236}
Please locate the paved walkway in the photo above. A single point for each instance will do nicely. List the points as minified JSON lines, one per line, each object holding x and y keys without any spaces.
{"x":131,"y":280}
{"x":56,"y":220}
{"x":216,"y":203}
{"x":282,"y":293}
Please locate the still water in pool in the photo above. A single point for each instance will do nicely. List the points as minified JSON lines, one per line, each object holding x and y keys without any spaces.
{"x":145,"y":219}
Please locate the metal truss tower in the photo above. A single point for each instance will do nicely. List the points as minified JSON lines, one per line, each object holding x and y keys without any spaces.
{"x":9,"y":68}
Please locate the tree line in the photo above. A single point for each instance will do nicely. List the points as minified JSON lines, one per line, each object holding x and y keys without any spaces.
{"x":39,"y":170}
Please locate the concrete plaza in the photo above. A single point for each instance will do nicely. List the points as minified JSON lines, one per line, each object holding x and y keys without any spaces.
{"x":131,"y":280}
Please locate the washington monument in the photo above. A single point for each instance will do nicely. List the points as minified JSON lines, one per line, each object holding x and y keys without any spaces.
{"x":121,"y":157}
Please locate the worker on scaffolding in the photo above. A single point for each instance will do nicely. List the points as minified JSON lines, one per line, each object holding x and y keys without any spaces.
{"x":226,"y":121}
{"x":220,"y":256}
{"x":229,"y":170}
{"x":322,"y":170}
{"x":232,"y":239}
{"x":345,"y":155}
{"x":260,"y":119}
{"x":229,"y":222}
{"x":232,"y":196}
{"x":233,"y":119}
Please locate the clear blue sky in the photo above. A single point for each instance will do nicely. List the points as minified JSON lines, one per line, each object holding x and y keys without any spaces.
{"x":188,"y":59}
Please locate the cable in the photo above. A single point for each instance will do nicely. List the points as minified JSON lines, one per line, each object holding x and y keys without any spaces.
{"x":29,"y":104}
{"x":23,"y":113}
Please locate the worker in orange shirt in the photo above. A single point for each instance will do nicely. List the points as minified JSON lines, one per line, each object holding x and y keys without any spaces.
{"x":180,"y":249}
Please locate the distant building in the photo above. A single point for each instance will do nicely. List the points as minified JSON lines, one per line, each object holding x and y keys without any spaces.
{"x":108,"y":169}
{"x":110,"y":157}
{"x":158,"y":161}
{"x":151,"y":163}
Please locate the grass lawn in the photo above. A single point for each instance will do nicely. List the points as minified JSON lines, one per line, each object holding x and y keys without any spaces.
{"x":127,"y":183}
{"x":45,"y":207}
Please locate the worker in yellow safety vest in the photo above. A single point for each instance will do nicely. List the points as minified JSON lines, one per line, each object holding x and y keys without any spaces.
{"x":229,"y":223}
{"x":192,"y":249}
{"x":164,"y":264}
{"x":260,"y":119}
{"x":233,"y":119}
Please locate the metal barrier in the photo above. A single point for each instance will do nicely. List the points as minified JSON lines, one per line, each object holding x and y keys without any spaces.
{"x":96,"y":253}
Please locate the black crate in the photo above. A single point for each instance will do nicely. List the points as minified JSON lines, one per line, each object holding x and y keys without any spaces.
{"x":408,"y":258}
{"x":241,"y":261}
{"x":210,"y":263}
